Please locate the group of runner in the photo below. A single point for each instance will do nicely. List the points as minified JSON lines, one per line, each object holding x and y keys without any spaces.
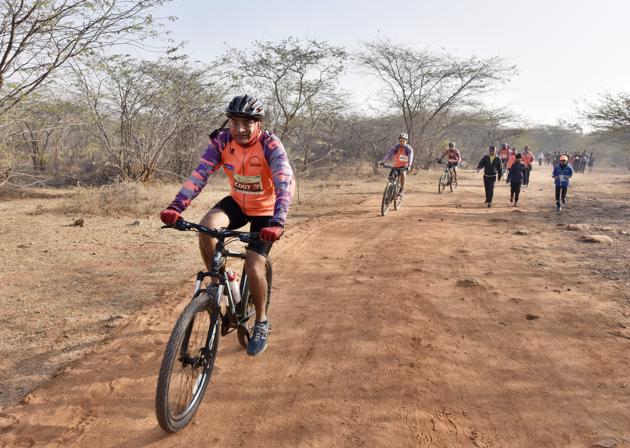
{"x":515,"y":166}
{"x":579,"y":161}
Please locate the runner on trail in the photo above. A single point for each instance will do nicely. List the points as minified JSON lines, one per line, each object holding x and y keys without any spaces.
{"x":516,"y":177}
{"x":504,"y":154}
{"x":454,"y":157}
{"x":261,"y":189}
{"x":528,"y":161}
{"x":591,"y":162}
{"x":561,"y":174}
{"x":491,"y":165}
{"x":510,"y":161}
{"x":541,"y":158}
{"x":402,"y":156}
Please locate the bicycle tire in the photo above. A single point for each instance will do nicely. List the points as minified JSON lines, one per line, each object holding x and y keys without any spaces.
{"x":442,"y":183}
{"x":247,"y":304}
{"x":386,"y":198}
{"x":178,"y":347}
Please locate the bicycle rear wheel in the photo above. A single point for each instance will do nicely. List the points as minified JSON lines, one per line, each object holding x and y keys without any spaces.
{"x":247,"y":304}
{"x":387,"y":194}
{"x":442,"y":182}
{"x":188,"y":362}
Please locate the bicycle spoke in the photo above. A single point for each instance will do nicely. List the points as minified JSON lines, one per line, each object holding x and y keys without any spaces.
{"x":191,"y":365}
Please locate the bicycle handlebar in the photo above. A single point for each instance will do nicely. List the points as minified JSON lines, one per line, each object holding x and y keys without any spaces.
{"x":403,"y":168}
{"x":221,"y":234}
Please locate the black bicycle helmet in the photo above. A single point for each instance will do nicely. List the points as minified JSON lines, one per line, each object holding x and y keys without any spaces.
{"x":245,"y":106}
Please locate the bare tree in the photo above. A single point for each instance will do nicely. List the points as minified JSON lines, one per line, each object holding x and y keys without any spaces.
{"x":611,"y":116}
{"x":140,"y":108}
{"x":39,"y":37}
{"x":422,"y":85}
{"x":292,"y":73}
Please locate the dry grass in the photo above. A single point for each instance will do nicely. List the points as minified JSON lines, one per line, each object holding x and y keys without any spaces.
{"x":125,"y":199}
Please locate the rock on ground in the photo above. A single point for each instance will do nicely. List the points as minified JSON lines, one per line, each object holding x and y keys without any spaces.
{"x":601,"y":239}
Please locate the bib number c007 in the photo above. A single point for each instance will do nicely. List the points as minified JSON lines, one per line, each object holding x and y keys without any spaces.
{"x":248,"y":184}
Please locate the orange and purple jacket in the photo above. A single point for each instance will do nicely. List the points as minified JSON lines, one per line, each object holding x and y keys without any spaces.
{"x":401,"y":155}
{"x":528,"y":158}
{"x":260,"y":176}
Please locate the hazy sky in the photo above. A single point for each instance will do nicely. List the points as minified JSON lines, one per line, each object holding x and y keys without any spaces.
{"x":566,"y":51}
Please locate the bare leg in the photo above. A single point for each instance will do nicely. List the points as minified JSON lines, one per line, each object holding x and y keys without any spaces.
{"x":403,"y":176}
{"x":214,"y":218}
{"x":255,"y":268}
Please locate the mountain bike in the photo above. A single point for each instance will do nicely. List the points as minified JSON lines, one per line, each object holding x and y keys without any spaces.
{"x":392,"y":189}
{"x":447,"y":179}
{"x":191,"y":350}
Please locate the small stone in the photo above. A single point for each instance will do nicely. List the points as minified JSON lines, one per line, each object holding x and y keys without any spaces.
{"x":605,"y":442}
{"x":577,"y":227}
{"x":521,"y":232}
{"x":467,"y":283}
{"x":135,"y":223}
{"x":532,"y":317}
{"x":27,"y":399}
{"x":78,"y":222}
{"x":601,"y":239}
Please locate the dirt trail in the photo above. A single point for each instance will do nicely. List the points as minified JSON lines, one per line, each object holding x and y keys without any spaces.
{"x":435,"y":326}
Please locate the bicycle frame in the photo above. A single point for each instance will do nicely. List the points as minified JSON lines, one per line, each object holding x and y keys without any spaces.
{"x":218,"y":271}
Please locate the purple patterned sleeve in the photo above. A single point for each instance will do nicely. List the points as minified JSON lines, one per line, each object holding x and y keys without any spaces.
{"x":391,"y":153}
{"x":410,"y":155}
{"x":209,"y":163}
{"x":282,"y":174}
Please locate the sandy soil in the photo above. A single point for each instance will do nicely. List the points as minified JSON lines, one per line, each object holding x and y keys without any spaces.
{"x":442,"y":324}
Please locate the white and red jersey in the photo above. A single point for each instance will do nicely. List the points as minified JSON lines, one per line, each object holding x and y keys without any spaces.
{"x":453,"y":155}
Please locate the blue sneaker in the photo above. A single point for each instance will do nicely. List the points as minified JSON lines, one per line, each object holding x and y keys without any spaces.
{"x":258,"y":340}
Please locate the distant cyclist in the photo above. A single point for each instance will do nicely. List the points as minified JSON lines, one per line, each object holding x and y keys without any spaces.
{"x":401,"y":156}
{"x":454,"y":157}
{"x":261,"y":188}
{"x":562,"y":173}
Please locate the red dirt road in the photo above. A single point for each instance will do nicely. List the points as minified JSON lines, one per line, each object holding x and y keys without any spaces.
{"x":409,"y":330}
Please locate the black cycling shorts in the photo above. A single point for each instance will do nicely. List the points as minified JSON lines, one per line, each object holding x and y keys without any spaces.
{"x":238,"y":219}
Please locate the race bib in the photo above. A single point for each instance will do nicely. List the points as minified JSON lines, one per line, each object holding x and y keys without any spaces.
{"x":563,"y":177}
{"x":248,"y":184}
{"x":403,"y":158}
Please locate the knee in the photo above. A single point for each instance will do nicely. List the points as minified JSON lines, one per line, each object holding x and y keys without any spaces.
{"x":255,"y":266}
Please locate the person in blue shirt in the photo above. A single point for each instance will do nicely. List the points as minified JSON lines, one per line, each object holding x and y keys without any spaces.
{"x":561,"y":173}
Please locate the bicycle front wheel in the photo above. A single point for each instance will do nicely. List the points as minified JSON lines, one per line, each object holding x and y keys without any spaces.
{"x":387,"y":194}
{"x":188,"y":362}
{"x":442,"y":182}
